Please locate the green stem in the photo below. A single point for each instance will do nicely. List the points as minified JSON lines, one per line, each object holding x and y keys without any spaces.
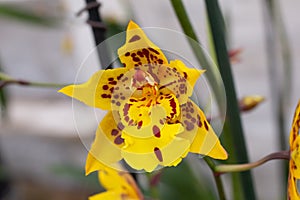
{"x":217,"y":178}
{"x":233,"y":115}
{"x":3,"y":100}
{"x":212,"y":72}
{"x":280,"y":66}
{"x":220,"y":169}
{"x":6,"y":80}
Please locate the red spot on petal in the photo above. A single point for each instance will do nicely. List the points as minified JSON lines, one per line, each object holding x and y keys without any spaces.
{"x":161,"y":122}
{"x":126,"y":118}
{"x":158,"y":154}
{"x":133,"y":100}
{"x":140,"y":123}
{"x":185,"y":75}
{"x":113,"y":82}
{"x":121,"y":126}
{"x":156,"y":131}
{"x":114,"y":132}
{"x":205,"y":125}
{"x":118,"y":140}
{"x":121,"y":75}
{"x":130,"y":122}
{"x":153,"y":50}
{"x":105,"y":87}
{"x":108,"y":96}
{"x":134,"y":38}
{"x":126,"y":108}
{"x":188,"y":125}
{"x":173,"y":105}
{"x":160,"y":61}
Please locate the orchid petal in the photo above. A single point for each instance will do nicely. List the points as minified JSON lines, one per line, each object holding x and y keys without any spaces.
{"x":178,"y":79}
{"x":190,"y":74}
{"x":106,"y":146}
{"x":138,"y":49}
{"x":294,"y":164}
{"x":295,"y":125}
{"x":199,"y":132}
{"x":163,"y":148}
{"x":113,"y":195}
{"x":97,"y":91}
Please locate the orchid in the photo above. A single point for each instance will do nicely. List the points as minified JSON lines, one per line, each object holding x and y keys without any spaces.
{"x":119,"y":185}
{"x":151,"y":120}
{"x":294,"y":165}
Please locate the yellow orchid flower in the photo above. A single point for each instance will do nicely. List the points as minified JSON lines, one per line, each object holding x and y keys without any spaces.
{"x":151,"y":121}
{"x":294,"y":165}
{"x":119,"y":185}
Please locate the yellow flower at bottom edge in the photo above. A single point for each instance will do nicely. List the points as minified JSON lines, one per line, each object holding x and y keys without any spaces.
{"x":151,"y":120}
{"x":119,"y":185}
{"x":294,"y":165}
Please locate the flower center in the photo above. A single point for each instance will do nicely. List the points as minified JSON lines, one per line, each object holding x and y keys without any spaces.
{"x":143,"y":107}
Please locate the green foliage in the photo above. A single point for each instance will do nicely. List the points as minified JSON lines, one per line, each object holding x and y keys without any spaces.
{"x":181,"y":183}
{"x":233,"y":120}
{"x":76,"y":174}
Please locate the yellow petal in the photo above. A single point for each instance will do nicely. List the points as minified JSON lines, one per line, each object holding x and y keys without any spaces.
{"x":173,"y":79}
{"x":295,"y":157}
{"x":199,"y":132}
{"x":190,"y":74}
{"x":138,"y":119}
{"x":111,"y":179}
{"x":98,"y":90}
{"x":109,"y":195}
{"x":119,"y":184}
{"x":295,"y":125}
{"x":138,"y":49}
{"x":106,"y":146}
{"x":163,"y":148}
{"x":293,"y":193}
{"x":139,"y":116}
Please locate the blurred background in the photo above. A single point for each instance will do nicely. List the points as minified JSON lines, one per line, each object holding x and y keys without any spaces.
{"x":41,"y":152}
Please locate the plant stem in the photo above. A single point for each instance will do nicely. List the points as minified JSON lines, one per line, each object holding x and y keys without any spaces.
{"x":6,"y":80}
{"x":279,"y":66}
{"x":212,"y":72}
{"x":3,"y":100}
{"x":99,"y":32}
{"x":217,"y":178}
{"x":233,"y":116}
{"x":220,"y":169}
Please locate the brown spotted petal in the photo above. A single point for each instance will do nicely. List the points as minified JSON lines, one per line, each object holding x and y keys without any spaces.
{"x":138,"y":49}
{"x":163,"y":148}
{"x":199,"y":132}
{"x":98,"y":90}
{"x":294,"y":164}
{"x":138,"y":118}
{"x":107,"y":145}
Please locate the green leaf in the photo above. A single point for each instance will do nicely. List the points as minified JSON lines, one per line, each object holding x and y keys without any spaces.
{"x":212,"y":73}
{"x":233,"y":120}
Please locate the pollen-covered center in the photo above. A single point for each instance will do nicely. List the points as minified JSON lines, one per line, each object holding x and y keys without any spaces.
{"x":142,"y":108}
